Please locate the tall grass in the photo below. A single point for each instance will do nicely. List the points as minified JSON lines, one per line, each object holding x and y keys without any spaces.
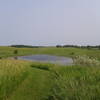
{"x":12,"y":72}
{"x":62,"y":82}
{"x":86,"y":61}
{"x":76,"y":83}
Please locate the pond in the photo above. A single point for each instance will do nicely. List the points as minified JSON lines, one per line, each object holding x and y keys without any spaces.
{"x":48,"y":58}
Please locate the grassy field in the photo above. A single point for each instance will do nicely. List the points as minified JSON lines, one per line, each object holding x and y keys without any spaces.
{"x":25,"y":80}
{"x":21,"y":80}
{"x":69,"y":52}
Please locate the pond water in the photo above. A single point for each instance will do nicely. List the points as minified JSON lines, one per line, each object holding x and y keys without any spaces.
{"x":49,"y":59}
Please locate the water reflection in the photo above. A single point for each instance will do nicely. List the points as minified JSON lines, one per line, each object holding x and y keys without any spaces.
{"x":48,"y":58}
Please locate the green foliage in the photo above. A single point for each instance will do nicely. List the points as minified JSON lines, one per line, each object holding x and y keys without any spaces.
{"x":72,"y":53}
{"x":42,"y":66}
{"x":15,"y":52}
{"x":58,"y":46}
{"x":25,"y":46}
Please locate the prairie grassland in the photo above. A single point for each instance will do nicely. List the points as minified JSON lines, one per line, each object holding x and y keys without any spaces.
{"x":22,"y":80}
{"x":76,"y":83}
{"x":69,"y":52}
{"x":11,"y":74}
{"x":25,"y":80}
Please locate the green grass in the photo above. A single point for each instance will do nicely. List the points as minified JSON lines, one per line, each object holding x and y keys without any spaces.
{"x":12,"y":73}
{"x":25,"y":80}
{"x":76,"y":83}
{"x":21,"y":80}
{"x":69,"y":52}
{"x":35,"y":87}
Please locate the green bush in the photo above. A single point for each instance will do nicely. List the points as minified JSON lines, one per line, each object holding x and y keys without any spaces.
{"x":42,"y":66}
{"x":15,"y":51}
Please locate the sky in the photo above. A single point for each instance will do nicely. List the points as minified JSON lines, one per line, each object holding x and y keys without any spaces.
{"x":50,"y":22}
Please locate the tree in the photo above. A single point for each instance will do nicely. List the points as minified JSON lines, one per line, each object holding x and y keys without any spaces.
{"x":99,"y":47}
{"x":58,"y":46}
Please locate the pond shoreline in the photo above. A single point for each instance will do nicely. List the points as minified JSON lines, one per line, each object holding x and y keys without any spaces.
{"x":47,"y":58}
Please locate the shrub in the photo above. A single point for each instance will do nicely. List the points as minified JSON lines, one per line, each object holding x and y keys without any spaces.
{"x":42,"y":66}
{"x":72,"y":53}
{"x":15,"y":51}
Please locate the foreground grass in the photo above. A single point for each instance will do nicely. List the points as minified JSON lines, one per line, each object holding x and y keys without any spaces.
{"x":12,"y":73}
{"x":21,"y":80}
{"x":35,"y":87}
{"x":76,"y":83}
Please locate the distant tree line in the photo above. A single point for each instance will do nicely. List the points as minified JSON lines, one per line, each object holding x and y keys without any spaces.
{"x":58,"y":46}
{"x":76,"y":46}
{"x":25,"y":46}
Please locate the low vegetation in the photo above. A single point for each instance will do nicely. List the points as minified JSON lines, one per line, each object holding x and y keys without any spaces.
{"x":76,"y":83}
{"x":86,"y":61}
{"x":25,"y":80}
{"x":12,"y":73}
{"x":68,"y":52}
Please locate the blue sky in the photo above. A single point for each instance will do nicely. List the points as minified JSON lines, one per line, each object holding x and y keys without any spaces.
{"x":49,"y":22}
